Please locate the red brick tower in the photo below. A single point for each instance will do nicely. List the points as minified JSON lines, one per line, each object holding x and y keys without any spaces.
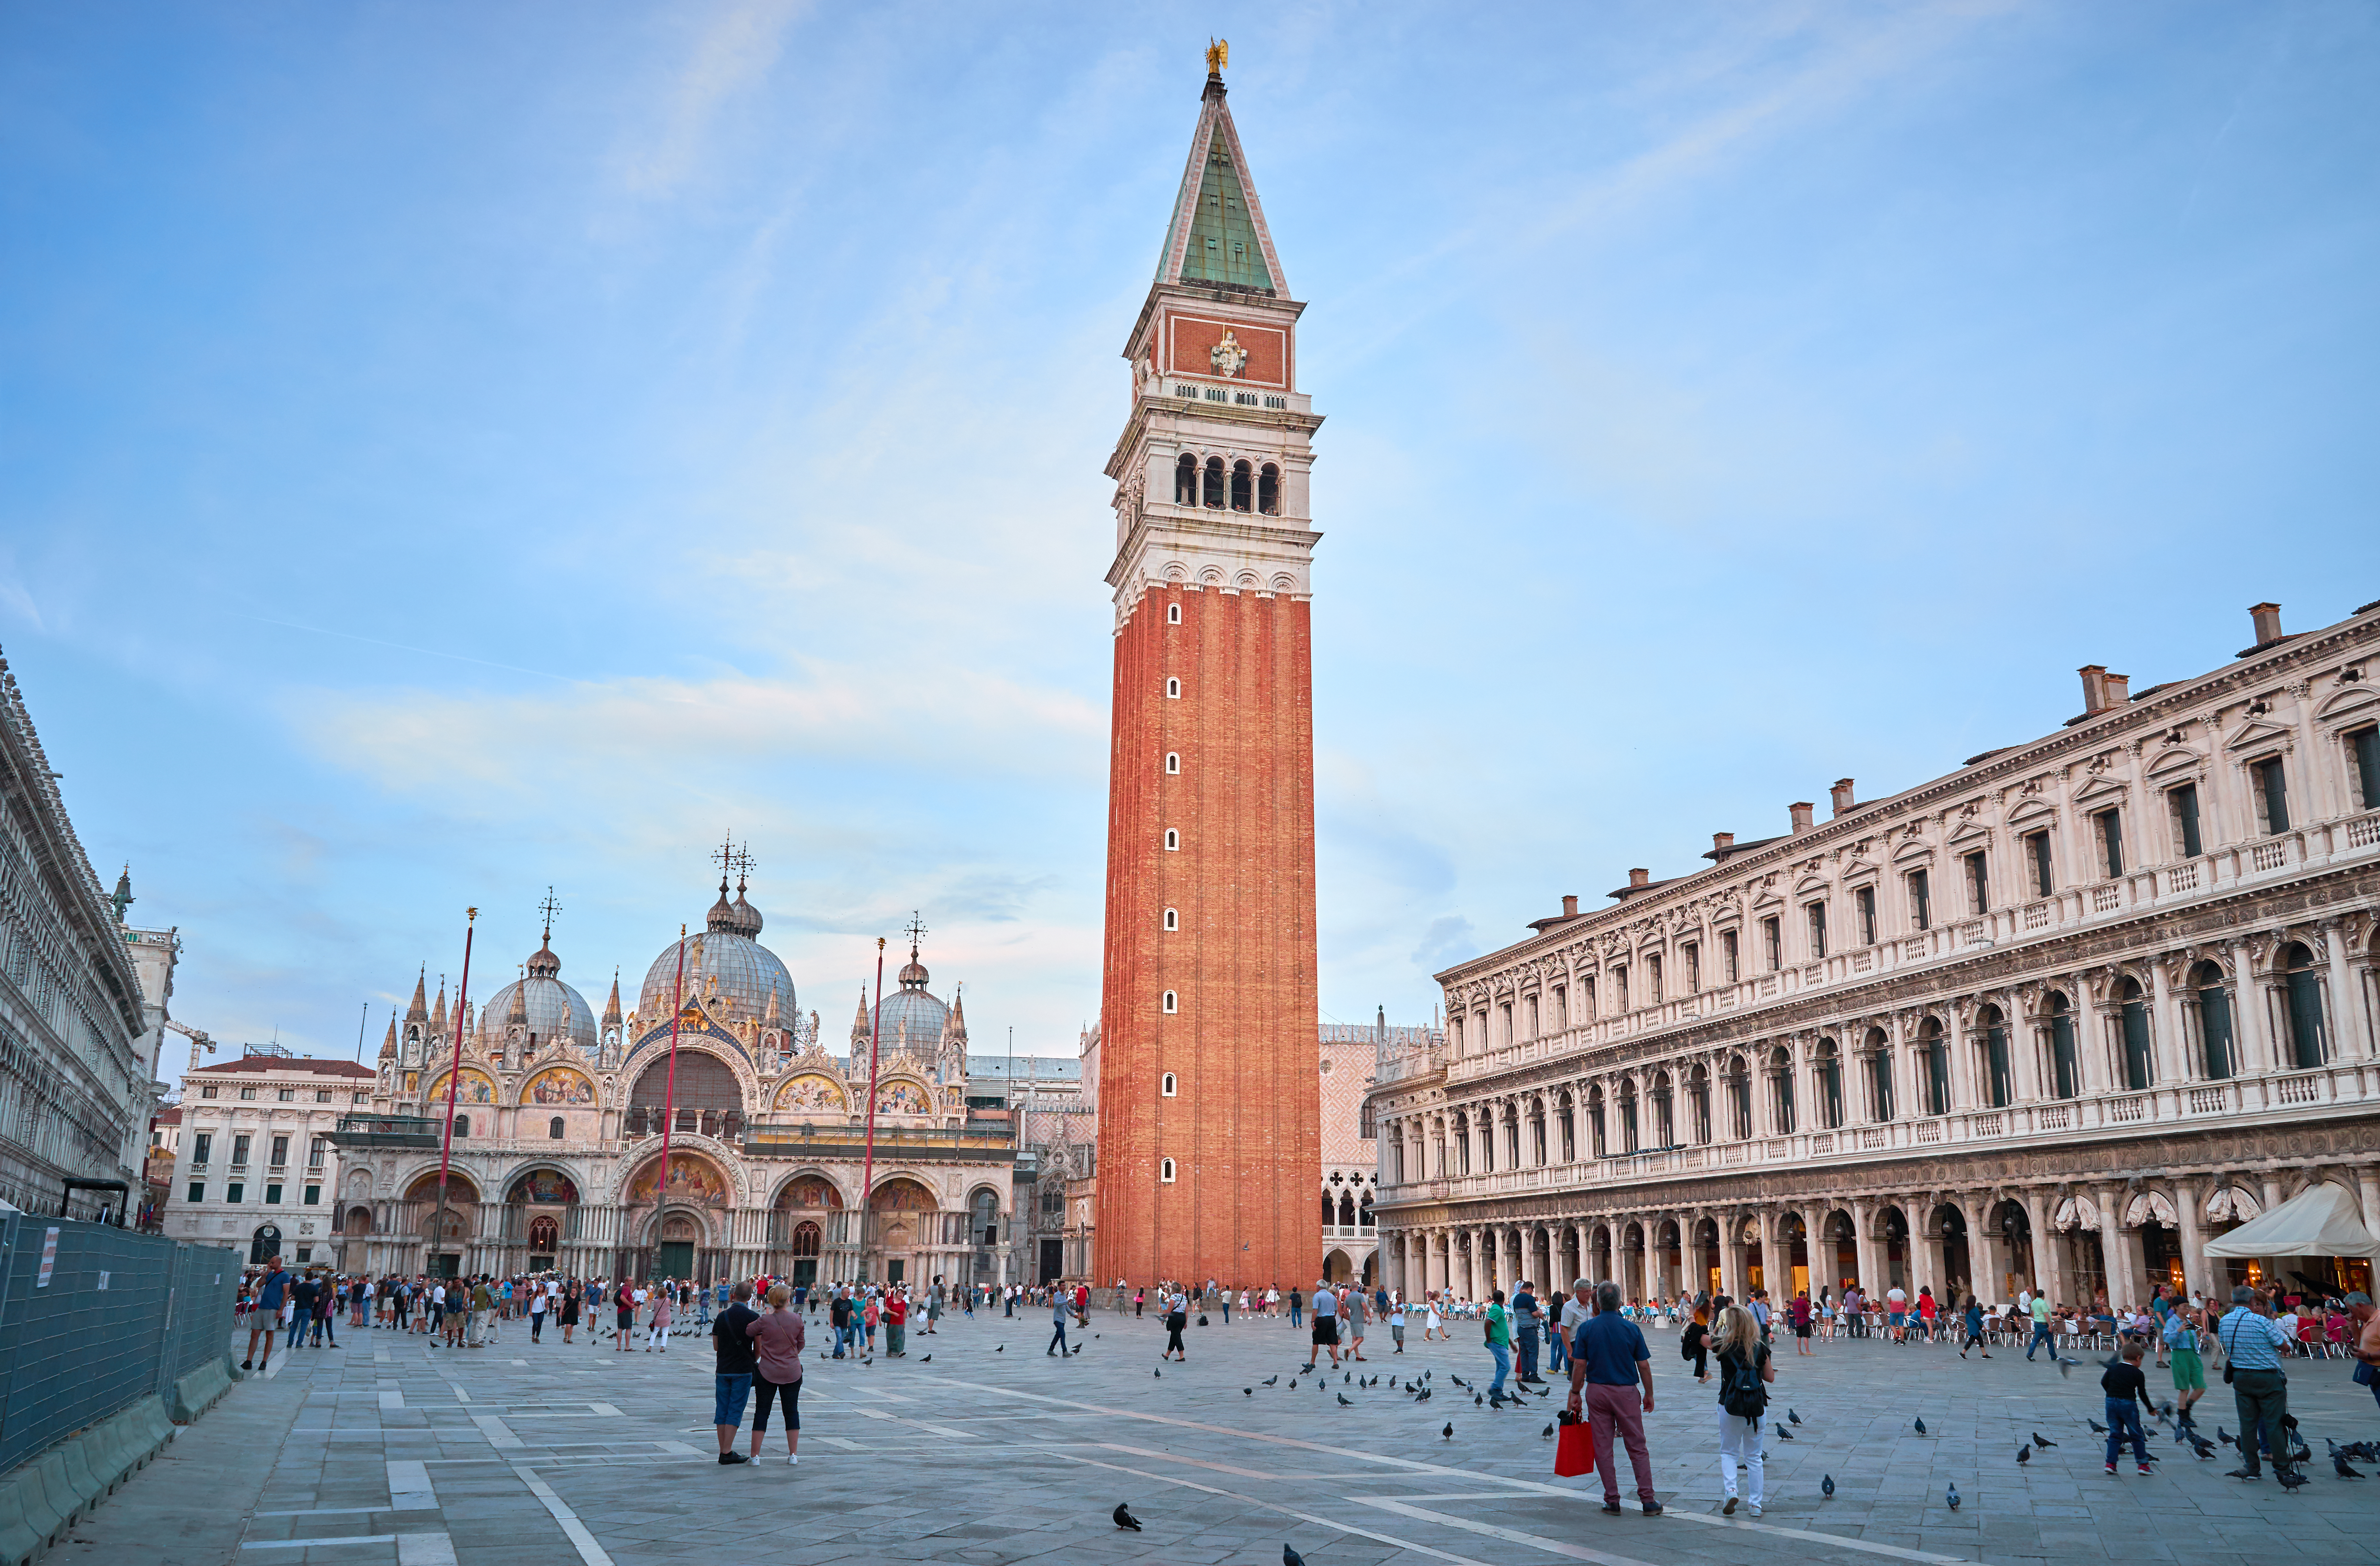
{"x":1210,"y":1082}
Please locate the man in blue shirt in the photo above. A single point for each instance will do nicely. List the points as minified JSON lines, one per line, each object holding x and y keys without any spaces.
{"x":1524,"y":1316}
{"x":1609,"y":1359}
{"x":267,"y":1310}
{"x":2252,"y":1341}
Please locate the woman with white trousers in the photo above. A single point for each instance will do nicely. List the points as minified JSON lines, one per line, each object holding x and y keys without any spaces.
{"x":1735,"y":1341}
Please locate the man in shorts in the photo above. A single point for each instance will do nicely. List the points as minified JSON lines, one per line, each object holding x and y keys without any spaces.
{"x":2366,"y":1348}
{"x":1896,"y":1313}
{"x":266,"y":1316}
{"x":1357,"y":1311}
{"x":1325,"y":1325}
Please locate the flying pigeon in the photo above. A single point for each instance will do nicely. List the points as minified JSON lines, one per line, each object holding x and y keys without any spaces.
{"x":1954,"y":1496}
{"x":2041,"y":1440}
{"x":2166,"y":1409}
{"x":1792,"y":1417}
{"x":2096,"y":1428}
{"x":1921,"y":1426}
{"x":2024,"y":1456}
{"x":1124,"y":1519}
{"x":1273,"y":1378}
{"x":1290,"y":1558}
{"x":1448,"y":1431}
{"x":1826,"y":1484}
{"x":1342,"y":1400}
{"x":1783,"y":1434}
{"x":2338,"y":1466}
{"x":1548,"y":1434}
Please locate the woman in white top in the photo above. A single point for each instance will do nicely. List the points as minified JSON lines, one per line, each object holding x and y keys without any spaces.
{"x":1272,"y":1301}
{"x":1434,"y":1327}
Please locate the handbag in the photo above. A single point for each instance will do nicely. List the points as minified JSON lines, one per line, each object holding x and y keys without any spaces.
{"x":2365,"y":1375}
{"x":1575,"y":1448}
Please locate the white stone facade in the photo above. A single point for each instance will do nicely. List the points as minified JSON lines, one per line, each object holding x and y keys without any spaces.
{"x":254,"y":1165}
{"x":2053,"y":1021}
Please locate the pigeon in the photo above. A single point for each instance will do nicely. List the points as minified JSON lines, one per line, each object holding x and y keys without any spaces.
{"x":1292,"y":1383}
{"x":1476,"y":1400}
{"x":1954,"y":1498}
{"x":1548,"y":1434}
{"x":2338,"y":1466}
{"x":1425,"y":1396}
{"x":2226,"y":1436}
{"x":2096,"y":1428}
{"x":1792,"y":1417}
{"x":1448,"y":1431}
{"x":1248,"y":1392}
{"x":1921,"y":1426}
{"x":2041,"y":1440}
{"x":1159,"y":1374}
{"x":1095,"y":1334}
{"x":1459,"y":1381}
{"x":1392,"y":1383}
{"x":1076,"y":1349}
{"x":1002,"y":1349}
{"x":2203,"y":1447}
{"x":927,"y":1359}
{"x":1272,"y":1380}
{"x":1290,"y":1558}
{"x":2291,"y":1479}
{"x":1306,"y":1369}
{"x":1124,"y":1519}
{"x":1826,"y":1484}
{"x":2166,"y":1409}
{"x":1783,"y":1434}
{"x":2024,"y":1456}
{"x":1342,"y":1400}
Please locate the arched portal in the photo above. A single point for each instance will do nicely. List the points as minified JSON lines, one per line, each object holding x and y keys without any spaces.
{"x":445,"y":1227}
{"x":805,"y":1222}
{"x":903,"y":1220}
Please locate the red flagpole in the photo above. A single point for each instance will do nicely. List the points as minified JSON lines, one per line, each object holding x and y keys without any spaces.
{"x":454,"y":1077}
{"x":669,"y":1083}
{"x":867,"y":1165}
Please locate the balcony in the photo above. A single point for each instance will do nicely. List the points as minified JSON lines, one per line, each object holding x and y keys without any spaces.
{"x":360,"y":1131}
{"x":978,"y":1144}
{"x":1349,"y":1234}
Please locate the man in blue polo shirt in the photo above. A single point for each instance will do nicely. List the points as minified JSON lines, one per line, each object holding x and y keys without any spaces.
{"x":267,"y":1311}
{"x":1609,"y":1357}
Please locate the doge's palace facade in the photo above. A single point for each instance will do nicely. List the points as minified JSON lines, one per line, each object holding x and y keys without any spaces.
{"x":2054,"y":1020}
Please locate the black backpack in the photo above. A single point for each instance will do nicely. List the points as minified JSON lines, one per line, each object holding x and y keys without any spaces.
{"x":1741,"y":1391}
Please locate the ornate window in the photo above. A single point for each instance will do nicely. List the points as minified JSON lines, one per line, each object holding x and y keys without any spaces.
{"x":2272,"y":791}
{"x":1243,"y":487}
{"x":2132,"y":1010}
{"x":1216,"y":480}
{"x":2064,"y":1072}
{"x":2302,"y":992}
{"x":2213,"y":1006}
{"x":2182,"y":808}
{"x":1269,"y":480}
{"x":1186,"y":479}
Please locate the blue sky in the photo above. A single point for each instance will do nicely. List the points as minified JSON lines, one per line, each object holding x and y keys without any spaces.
{"x":450,"y":450}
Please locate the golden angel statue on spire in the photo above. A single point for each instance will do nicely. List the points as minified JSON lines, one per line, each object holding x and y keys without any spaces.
{"x":1218,"y":55}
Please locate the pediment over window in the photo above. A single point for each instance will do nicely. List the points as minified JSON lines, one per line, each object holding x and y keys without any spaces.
{"x":1811,"y":886}
{"x":2032,"y":813}
{"x":2177,"y":758}
{"x":1912,"y":852}
{"x":2100,"y":791}
{"x":1767,"y":901}
{"x":2254,"y":733}
{"x":2355,"y":701}
{"x":1859,"y":874}
{"x":1970,"y":836}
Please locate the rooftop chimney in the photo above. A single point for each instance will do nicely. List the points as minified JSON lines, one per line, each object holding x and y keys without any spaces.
{"x":1841,"y":795}
{"x":1639,"y":878}
{"x":2094,"y":687}
{"x":2266,"y":618}
{"x":1722,"y":841}
{"x":1803,"y":812}
{"x":2119,"y":689}
{"x":1570,"y":907}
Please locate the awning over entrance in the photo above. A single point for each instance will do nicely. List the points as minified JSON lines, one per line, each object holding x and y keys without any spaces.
{"x":2320,"y":1221}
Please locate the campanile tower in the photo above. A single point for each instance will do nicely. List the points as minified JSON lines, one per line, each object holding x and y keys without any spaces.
{"x":1210,"y":1086}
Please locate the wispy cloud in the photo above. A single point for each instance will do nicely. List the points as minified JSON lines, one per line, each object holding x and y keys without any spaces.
{"x":734,"y":51}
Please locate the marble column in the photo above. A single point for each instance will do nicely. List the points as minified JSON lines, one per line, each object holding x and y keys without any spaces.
{"x":2119,"y":1247}
{"x":1870,"y":1251}
{"x":2172,"y":1069}
{"x":2049,"y":1272}
{"x":2347,"y":1037}
{"x":1772,"y":1277}
{"x":2188,"y":1199}
{"x":1986,"y":1251}
{"x":2251,"y":1022}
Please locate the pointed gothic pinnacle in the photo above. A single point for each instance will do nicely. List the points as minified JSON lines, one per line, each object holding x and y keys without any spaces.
{"x":419,"y":1010}
{"x":611,"y":1007}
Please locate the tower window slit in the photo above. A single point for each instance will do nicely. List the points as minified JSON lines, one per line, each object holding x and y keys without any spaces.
{"x":1269,"y":480}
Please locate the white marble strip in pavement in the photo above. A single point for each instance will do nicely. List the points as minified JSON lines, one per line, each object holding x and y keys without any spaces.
{"x":1495,"y":1531}
{"x":323,"y":1544}
{"x":409,"y":1488}
{"x":592,"y":1553}
{"x":425,"y":1550}
{"x":392,"y":1398}
{"x":499,"y":1434}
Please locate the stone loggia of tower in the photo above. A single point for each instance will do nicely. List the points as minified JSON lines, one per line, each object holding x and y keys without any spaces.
{"x":1209,"y":1129}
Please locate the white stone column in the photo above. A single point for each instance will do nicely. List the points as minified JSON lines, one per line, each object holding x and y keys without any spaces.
{"x":2188,"y":1199}
{"x":1863,"y":1242}
{"x":2118,"y":1246}
{"x":2172,"y":1064}
{"x":2049,"y":1263}
{"x":2251,"y":1022}
{"x":2347,"y":1039}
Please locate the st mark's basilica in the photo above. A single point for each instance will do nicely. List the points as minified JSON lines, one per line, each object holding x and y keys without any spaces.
{"x":557,"y":1163}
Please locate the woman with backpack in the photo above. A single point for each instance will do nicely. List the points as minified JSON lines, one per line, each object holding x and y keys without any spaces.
{"x":1744,"y":1372}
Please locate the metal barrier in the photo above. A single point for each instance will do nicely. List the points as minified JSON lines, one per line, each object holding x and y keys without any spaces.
{"x":95,"y":1318}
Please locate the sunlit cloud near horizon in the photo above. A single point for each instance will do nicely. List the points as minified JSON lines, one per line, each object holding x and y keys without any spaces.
{"x":445,"y":455}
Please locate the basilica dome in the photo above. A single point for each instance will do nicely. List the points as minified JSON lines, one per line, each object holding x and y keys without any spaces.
{"x":723,"y":964}
{"x":542,"y":1003}
{"x":910,"y":1019}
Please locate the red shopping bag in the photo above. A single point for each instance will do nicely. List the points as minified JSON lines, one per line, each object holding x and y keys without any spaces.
{"x":1574,"y":1449}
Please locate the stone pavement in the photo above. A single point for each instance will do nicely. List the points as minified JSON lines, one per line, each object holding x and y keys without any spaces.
{"x":388,"y":1450}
